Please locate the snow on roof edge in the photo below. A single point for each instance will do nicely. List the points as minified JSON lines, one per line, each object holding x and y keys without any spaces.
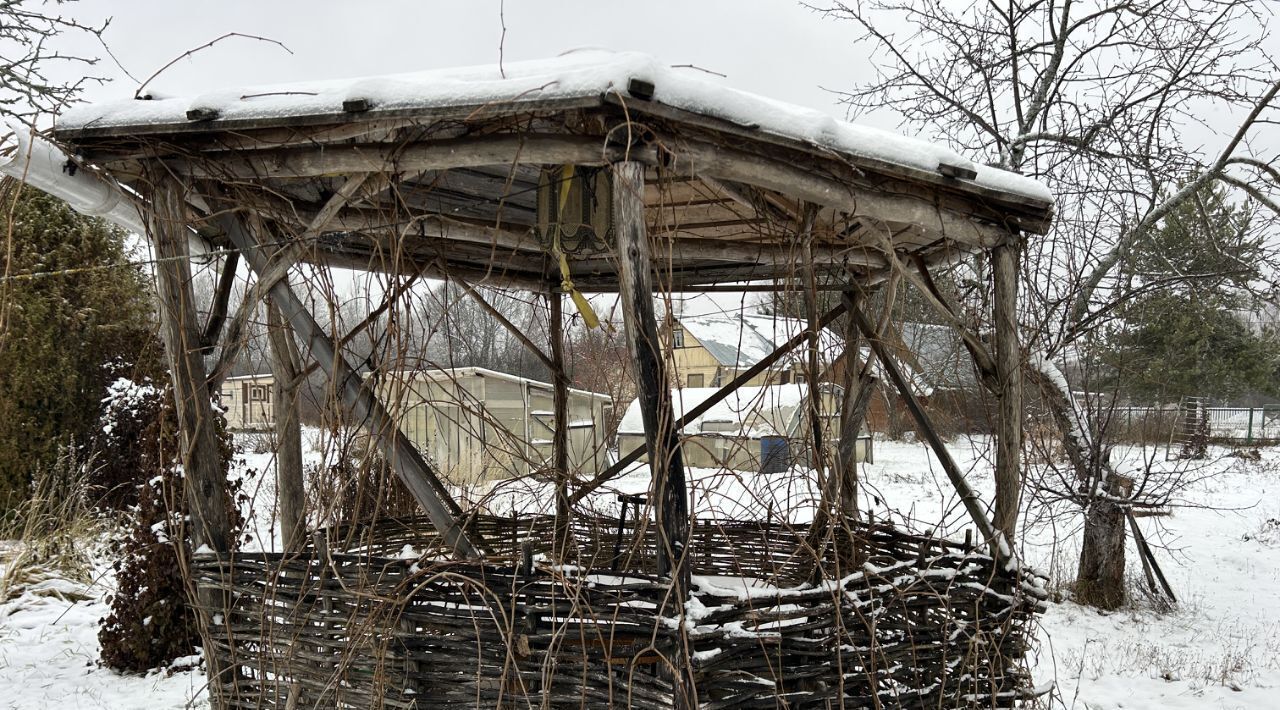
{"x":581,"y":74}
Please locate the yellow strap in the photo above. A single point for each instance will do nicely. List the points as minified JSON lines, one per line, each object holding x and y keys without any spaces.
{"x":589,"y":317}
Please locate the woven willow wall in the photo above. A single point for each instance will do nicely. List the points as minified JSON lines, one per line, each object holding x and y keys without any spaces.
{"x":921,"y":624}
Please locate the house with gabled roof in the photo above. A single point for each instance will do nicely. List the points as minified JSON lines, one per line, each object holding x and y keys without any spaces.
{"x":710,"y":350}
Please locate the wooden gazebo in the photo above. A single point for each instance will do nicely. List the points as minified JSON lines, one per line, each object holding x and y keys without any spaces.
{"x":592,"y":172}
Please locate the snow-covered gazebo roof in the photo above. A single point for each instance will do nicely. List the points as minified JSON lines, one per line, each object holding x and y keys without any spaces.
{"x":447,"y":170}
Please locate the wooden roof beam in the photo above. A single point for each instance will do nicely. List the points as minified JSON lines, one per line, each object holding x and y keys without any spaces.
{"x":687,"y":158}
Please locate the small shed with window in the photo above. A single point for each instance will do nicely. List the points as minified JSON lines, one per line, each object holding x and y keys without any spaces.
{"x":246,"y":401}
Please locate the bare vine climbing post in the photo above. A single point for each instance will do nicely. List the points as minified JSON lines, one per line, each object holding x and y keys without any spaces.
{"x":840,"y":494}
{"x":858,"y":386}
{"x":559,"y":435}
{"x":201,"y":457}
{"x":968,"y":498}
{"x":1009,"y":378}
{"x":668,"y":491}
{"x":286,"y":370}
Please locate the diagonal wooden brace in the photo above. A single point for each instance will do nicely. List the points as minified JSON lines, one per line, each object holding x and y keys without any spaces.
{"x":405,"y":460}
{"x":972,"y":503}
{"x":705,"y":405}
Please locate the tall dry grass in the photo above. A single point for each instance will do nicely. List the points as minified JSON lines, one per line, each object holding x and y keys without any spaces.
{"x":51,"y":534}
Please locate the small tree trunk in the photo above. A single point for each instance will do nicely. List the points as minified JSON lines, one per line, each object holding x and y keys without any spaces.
{"x":1100,"y":577}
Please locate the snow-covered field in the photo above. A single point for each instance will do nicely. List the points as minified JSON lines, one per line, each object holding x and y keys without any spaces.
{"x":1219,"y":648}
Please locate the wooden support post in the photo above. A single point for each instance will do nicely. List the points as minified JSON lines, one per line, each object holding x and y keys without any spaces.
{"x":661,"y":438}
{"x":356,"y":394}
{"x":200,"y":454}
{"x":812,"y":362}
{"x":668,"y":493}
{"x":560,"y":434}
{"x":1009,"y":398}
{"x":285,"y":368}
{"x":970,"y":500}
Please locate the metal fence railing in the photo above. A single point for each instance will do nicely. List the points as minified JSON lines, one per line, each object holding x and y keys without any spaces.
{"x":1226,"y":425}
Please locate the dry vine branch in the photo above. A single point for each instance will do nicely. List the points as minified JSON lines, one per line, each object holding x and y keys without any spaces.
{"x":138,"y":93}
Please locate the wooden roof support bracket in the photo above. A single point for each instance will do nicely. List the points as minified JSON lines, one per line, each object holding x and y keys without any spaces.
{"x":405,"y":460}
{"x":278,"y":266}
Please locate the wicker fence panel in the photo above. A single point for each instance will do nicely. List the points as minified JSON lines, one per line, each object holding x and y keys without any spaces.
{"x":922,"y":623}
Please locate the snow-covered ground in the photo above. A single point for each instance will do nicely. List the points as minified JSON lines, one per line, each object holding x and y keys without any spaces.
{"x":1219,"y":648}
{"x":49,"y":654}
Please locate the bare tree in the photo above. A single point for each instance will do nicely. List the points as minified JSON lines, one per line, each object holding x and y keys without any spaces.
{"x":1111,"y":103}
{"x":30,"y":36}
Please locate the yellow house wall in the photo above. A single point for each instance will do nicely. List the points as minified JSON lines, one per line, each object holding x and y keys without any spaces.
{"x":695,"y":359}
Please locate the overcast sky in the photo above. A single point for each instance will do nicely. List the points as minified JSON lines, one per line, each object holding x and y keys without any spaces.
{"x":772,"y":47}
